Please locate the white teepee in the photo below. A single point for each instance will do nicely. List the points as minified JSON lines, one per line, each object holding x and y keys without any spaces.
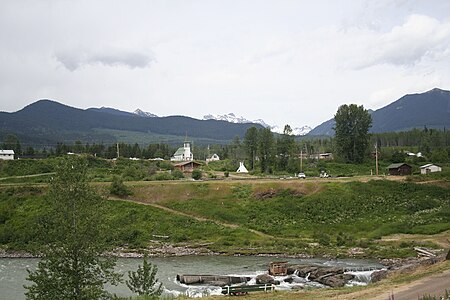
{"x":242,"y":168}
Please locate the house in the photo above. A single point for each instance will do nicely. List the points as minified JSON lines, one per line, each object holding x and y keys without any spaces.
{"x":6,"y":154}
{"x":327,"y":156}
{"x":429,"y":168}
{"x":401,"y":169}
{"x":213,"y":157}
{"x":242,"y":168}
{"x":187,"y":166}
{"x":183,"y":153}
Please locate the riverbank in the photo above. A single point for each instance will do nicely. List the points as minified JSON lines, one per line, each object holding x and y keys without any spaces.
{"x":424,"y":280}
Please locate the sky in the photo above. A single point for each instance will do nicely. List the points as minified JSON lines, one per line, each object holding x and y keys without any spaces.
{"x":286,"y":62}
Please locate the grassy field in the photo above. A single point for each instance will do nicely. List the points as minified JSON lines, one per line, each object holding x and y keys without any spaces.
{"x":294,"y":217}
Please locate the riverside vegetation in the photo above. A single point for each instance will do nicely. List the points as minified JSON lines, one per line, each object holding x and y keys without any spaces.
{"x":291,"y":217}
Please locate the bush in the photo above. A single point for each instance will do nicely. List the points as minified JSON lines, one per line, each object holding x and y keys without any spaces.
{"x":197,"y":174}
{"x":177,"y":174}
{"x":118,"y":188}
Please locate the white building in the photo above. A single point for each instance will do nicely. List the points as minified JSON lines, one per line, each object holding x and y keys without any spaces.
{"x":7,"y":154}
{"x":183,"y":153}
{"x":213,"y":157}
{"x":242,"y":168}
{"x":429,"y":168}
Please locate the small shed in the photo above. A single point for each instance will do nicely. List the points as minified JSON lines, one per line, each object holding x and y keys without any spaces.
{"x":6,"y":154}
{"x":400,"y":169}
{"x":278,"y":268}
{"x":187,"y":166}
{"x":430,"y":168}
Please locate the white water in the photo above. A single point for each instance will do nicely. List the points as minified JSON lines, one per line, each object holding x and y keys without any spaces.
{"x":13,"y":273}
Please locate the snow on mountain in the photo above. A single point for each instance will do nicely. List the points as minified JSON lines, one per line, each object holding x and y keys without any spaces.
{"x":232,"y":118}
{"x":144,"y":114}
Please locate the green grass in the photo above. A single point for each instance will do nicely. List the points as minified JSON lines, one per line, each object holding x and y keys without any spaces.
{"x":311,"y":217}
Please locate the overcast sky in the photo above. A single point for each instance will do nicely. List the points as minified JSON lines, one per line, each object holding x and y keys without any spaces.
{"x":287,"y":62}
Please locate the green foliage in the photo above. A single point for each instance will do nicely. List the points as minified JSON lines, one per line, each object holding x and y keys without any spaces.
{"x":177,"y":174}
{"x":118,"y":188}
{"x":143,"y":281}
{"x":73,"y":238}
{"x":242,"y":191}
{"x":197,"y":174}
{"x":266,"y":147}
{"x":11,"y":142}
{"x":352,"y":127}
{"x":251,"y":145}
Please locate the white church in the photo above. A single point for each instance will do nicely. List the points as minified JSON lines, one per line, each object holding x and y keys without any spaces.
{"x":183,"y":153}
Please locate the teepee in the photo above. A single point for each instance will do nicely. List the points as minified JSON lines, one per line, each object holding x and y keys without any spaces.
{"x":242,"y":168}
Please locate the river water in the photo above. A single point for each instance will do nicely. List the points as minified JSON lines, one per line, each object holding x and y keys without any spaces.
{"x":13,"y":272}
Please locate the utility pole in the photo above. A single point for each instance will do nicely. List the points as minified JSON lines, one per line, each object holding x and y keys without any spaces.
{"x":376,"y":157}
{"x":301,"y":160}
{"x":117,"y":150}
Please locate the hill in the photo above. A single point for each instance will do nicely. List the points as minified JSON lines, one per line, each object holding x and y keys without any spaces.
{"x":431,"y":109}
{"x":47,"y":121}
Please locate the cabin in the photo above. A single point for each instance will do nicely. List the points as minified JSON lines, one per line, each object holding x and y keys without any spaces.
{"x":6,"y":154}
{"x":187,"y":166}
{"x":429,"y":168}
{"x":213,"y":157}
{"x":400,"y":169}
{"x":183,"y":153}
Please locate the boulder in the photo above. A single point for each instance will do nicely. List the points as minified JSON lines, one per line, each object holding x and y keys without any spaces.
{"x":325,"y":271}
{"x":378,"y":275}
{"x":338,"y":280}
{"x":314,"y":272}
{"x":265,"y":279}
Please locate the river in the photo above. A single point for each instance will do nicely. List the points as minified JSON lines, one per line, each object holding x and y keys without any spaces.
{"x":13,"y":271}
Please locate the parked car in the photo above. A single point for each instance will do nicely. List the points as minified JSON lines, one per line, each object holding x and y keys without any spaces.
{"x":301,"y":175}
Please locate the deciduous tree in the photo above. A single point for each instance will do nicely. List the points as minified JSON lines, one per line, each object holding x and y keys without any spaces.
{"x":352,"y":127}
{"x":72,"y":266}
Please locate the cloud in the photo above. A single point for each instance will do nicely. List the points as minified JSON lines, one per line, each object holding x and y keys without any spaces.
{"x":72,"y":60}
{"x":420,"y":37}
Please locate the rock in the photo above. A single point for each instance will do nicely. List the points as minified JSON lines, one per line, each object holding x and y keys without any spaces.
{"x":378,"y":275}
{"x":265,"y":279}
{"x":338,"y":280}
{"x":314,"y":272}
{"x":217,"y":283}
{"x":325,"y":271}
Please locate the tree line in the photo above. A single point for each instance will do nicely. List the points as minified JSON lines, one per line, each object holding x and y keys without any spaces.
{"x":266,"y":152}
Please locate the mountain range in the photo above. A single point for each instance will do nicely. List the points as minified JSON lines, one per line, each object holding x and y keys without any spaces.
{"x":231,"y":117}
{"x":47,"y":122}
{"x":430,"y":109}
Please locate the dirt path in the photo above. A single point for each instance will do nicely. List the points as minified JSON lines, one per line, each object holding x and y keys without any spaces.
{"x":442,"y":239}
{"x":198,"y":218}
{"x":434,"y":285}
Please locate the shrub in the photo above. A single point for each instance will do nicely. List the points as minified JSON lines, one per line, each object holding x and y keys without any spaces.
{"x":118,"y":188}
{"x":143,"y":281}
{"x":197,"y":174}
{"x":177,"y":174}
